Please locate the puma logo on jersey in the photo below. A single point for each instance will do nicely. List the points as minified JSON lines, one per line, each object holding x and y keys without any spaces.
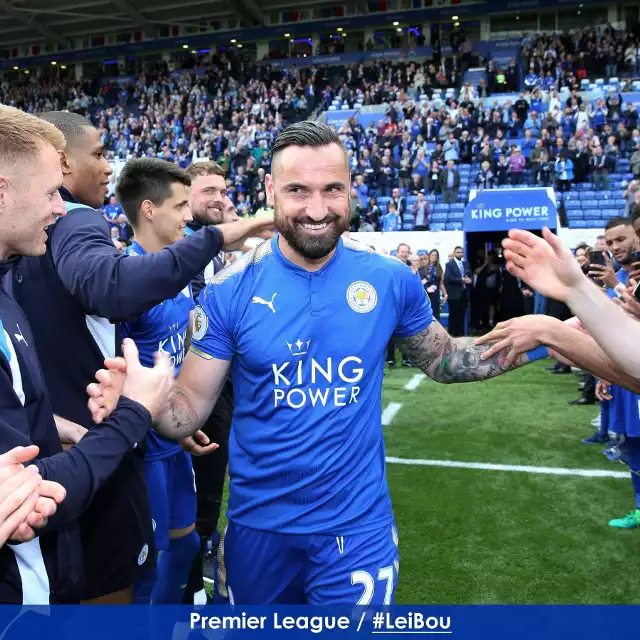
{"x":259,"y":300}
{"x":19,"y":337}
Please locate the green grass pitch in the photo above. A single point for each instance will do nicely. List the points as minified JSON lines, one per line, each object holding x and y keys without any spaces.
{"x":492,"y":537}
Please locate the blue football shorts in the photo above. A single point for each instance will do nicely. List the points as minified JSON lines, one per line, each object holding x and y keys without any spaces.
{"x":172,"y":495}
{"x":274,"y":568}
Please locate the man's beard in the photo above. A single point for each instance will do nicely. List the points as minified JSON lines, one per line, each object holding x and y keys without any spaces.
{"x":312,"y":247}
{"x":208,"y":216}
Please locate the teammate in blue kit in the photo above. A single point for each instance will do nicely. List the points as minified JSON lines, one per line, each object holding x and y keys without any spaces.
{"x":302,"y":322}
{"x":155,"y":197}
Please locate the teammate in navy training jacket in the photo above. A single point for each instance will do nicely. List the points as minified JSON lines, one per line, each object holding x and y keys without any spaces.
{"x":155,"y":198}
{"x":48,"y":569}
{"x":75,"y":297}
{"x":303,"y":322}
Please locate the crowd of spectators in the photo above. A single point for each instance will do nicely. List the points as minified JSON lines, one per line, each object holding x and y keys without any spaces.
{"x":432,"y":148}
{"x":563,"y":60}
{"x":428,"y":150}
{"x":222,"y":109}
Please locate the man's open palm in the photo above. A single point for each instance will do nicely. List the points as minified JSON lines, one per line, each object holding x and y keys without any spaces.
{"x":543,"y":263}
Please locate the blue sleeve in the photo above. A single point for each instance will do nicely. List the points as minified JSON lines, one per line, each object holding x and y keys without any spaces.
{"x":114,"y":286}
{"x":212,"y":325}
{"x":85,"y":467}
{"x":414,"y":307}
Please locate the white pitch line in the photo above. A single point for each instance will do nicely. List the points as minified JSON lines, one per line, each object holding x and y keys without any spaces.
{"x":414,"y":383}
{"x":485,"y":466}
{"x":390,"y":413}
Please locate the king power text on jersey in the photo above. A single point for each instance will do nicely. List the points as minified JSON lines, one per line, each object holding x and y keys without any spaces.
{"x":309,"y":382}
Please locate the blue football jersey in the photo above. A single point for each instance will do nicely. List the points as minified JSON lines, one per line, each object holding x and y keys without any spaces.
{"x":112,"y":212}
{"x":163,"y":328}
{"x":306,"y":450}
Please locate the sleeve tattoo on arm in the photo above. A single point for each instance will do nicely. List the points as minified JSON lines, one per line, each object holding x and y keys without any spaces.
{"x":447,"y":360}
{"x":183,"y":415}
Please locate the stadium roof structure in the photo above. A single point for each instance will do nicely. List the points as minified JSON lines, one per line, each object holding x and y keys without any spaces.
{"x":24,"y":22}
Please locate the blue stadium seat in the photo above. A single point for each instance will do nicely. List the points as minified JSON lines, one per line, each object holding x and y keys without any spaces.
{"x":423,"y":252}
{"x":575,"y":214}
{"x":592,"y":214}
{"x":407,"y":226}
{"x":437,"y":226}
{"x":590,"y":204}
{"x":383,"y":200}
{"x":441,"y":207}
{"x":456,"y":207}
{"x":453,"y":226}
{"x":609,"y":213}
{"x":586,"y":195}
{"x":577,"y":224}
{"x":456,"y":216}
{"x":594,"y":224}
{"x":439,"y":216}
{"x":430,"y":198}
{"x":411,"y":200}
{"x":572,"y":204}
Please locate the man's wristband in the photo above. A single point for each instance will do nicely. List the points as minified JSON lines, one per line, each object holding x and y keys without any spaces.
{"x":539,"y":353}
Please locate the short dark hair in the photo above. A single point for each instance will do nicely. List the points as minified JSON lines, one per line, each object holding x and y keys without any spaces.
{"x":618,"y":221}
{"x":307,"y":133}
{"x":147,"y":179}
{"x":458,"y":247}
{"x":73,"y":125}
{"x":204,"y":168}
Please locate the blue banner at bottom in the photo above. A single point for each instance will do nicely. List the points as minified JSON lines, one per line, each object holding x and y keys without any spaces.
{"x":217,"y":622}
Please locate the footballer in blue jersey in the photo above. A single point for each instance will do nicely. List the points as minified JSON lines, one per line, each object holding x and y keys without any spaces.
{"x":155,"y":196}
{"x":302,"y":322}
{"x":112,"y":211}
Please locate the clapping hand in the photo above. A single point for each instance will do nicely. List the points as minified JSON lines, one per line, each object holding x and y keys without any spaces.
{"x":26,"y":500}
{"x":151,"y":387}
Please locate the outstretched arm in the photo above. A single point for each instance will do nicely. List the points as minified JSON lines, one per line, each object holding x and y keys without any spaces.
{"x":565,"y":340}
{"x":447,"y":360}
{"x":549,"y":267}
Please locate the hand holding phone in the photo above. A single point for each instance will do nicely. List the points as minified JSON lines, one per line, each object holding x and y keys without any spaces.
{"x":597,"y":257}
{"x":602,"y":274}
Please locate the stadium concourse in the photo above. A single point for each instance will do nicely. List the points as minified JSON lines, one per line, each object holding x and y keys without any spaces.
{"x":495,"y":499}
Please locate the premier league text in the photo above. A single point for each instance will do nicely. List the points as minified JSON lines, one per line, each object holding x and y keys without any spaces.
{"x":277,"y":621}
